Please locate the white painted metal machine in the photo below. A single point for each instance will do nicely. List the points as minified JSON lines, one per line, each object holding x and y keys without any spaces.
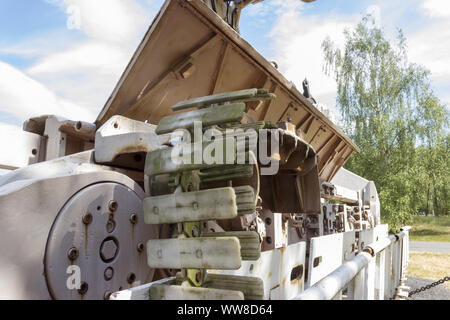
{"x":249,"y":200}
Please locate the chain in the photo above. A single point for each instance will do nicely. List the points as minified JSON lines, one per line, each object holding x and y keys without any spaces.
{"x":431,"y":285}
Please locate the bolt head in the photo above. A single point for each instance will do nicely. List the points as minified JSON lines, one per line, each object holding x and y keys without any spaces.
{"x":83,"y":288}
{"x":113,"y":205}
{"x":140,"y":247}
{"x":73,"y":254}
{"x":134,"y":218}
{"x":131,"y":278}
{"x":87,"y":218}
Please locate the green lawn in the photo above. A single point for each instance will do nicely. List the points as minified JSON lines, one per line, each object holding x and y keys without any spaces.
{"x":430,"y":228}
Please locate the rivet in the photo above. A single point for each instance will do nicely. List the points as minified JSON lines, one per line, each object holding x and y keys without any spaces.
{"x":199,"y":253}
{"x":73,"y":253}
{"x":159,"y":254}
{"x":155,"y":210}
{"x":195,"y":205}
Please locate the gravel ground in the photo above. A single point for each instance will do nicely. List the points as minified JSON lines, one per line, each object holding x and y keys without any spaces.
{"x":439,"y":292}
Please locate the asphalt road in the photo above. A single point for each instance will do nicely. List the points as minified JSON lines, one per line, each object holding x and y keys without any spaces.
{"x":436,"y":293}
{"x":426,"y":246}
{"x":439,"y":292}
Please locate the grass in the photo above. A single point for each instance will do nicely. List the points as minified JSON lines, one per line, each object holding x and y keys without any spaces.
{"x":429,"y":265}
{"x":430,"y":228}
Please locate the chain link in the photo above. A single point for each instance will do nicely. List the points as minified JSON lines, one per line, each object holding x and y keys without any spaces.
{"x":429,"y":286}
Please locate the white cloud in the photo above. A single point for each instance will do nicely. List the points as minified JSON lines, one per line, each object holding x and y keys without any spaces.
{"x":258,"y":10}
{"x":297,"y":48}
{"x":106,"y":58}
{"x":437,"y":8}
{"x":107,"y":20}
{"x":24,"y":97}
{"x":87,"y":73}
{"x":75,"y":70}
{"x":429,"y":46}
{"x":297,"y":40}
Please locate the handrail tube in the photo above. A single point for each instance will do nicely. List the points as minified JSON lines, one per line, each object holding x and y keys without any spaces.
{"x":329,"y":287}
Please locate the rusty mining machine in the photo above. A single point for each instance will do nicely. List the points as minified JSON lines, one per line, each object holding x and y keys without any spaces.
{"x":108,"y":210}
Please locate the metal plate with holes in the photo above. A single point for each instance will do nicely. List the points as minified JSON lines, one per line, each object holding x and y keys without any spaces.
{"x":275,"y":268}
{"x":101,"y":230}
{"x":329,"y":252}
{"x":366,"y":237}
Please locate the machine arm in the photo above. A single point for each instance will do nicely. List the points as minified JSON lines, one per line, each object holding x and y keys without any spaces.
{"x":230,"y":11}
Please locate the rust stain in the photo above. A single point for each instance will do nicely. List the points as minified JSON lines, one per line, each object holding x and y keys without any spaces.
{"x":86,"y":239}
{"x":133,"y":149}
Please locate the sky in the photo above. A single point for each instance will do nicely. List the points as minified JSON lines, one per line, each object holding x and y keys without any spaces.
{"x":64,"y":57}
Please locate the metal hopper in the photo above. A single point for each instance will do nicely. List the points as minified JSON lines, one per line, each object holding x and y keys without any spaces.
{"x":189,"y":52}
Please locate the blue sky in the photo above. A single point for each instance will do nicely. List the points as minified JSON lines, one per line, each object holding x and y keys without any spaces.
{"x":64,"y":57}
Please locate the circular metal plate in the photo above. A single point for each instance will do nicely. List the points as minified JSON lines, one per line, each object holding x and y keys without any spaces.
{"x":101,"y":233}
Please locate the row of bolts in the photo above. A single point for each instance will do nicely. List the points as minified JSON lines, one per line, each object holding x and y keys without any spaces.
{"x":73,"y":252}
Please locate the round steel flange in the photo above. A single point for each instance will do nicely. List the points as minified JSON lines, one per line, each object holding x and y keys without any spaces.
{"x":101,"y":233}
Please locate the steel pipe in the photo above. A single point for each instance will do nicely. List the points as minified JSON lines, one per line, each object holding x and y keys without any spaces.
{"x":329,"y":287}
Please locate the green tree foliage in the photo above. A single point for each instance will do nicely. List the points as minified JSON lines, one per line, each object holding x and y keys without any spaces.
{"x":389,"y":109}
